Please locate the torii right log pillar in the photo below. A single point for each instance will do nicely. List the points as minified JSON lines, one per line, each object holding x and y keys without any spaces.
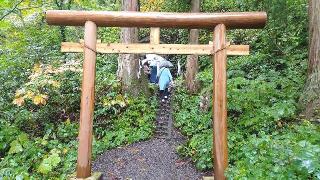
{"x":220,"y":148}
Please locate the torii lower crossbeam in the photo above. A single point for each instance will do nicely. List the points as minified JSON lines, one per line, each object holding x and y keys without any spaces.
{"x":202,"y":49}
{"x":217,"y":21}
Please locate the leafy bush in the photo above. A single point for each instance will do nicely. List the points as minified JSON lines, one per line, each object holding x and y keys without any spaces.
{"x":39,"y":140}
{"x":265,"y":140}
{"x":40,"y":95}
{"x":199,"y":148}
{"x":54,"y":154}
{"x":41,"y":156}
{"x":292,"y":153}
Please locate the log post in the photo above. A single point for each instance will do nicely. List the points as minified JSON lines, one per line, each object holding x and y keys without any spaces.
{"x":87,"y":101}
{"x":220,"y":152}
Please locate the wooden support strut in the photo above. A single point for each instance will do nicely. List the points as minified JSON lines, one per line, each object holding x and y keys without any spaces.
{"x":87,"y":101}
{"x":154,"y":35}
{"x":220,"y":151}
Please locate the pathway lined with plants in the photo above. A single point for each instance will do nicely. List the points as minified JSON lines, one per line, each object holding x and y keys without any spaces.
{"x":152,"y":159}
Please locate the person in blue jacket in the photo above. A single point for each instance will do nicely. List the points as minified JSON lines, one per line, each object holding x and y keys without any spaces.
{"x":151,"y":72}
{"x":165,"y":78}
{"x":153,"y":75}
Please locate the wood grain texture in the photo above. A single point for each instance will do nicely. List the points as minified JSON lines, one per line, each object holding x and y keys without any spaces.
{"x":314,"y":39}
{"x":220,"y":151}
{"x":199,"y":49}
{"x":128,"y":64}
{"x":87,"y":102}
{"x":192,"y":67}
{"x":154,"y":35}
{"x":233,"y":20}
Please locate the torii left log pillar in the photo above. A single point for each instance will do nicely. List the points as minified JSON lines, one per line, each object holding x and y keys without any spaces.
{"x":220,"y":49}
{"x":87,"y":100}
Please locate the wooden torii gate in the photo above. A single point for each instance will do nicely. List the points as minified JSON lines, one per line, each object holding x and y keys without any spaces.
{"x":219,"y":50}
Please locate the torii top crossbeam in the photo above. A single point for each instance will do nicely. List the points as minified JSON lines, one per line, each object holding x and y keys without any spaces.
{"x":234,"y":20}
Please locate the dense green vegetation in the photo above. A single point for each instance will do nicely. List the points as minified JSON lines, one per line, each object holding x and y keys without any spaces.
{"x":40,"y":94}
{"x":266,"y":139}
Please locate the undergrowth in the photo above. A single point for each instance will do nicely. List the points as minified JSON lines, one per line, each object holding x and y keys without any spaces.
{"x":38,"y":136}
{"x":55,"y":153}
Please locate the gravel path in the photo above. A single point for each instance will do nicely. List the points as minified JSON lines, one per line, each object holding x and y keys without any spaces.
{"x":155,"y":159}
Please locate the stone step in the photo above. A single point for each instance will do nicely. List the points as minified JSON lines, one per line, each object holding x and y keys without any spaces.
{"x":164,"y":119}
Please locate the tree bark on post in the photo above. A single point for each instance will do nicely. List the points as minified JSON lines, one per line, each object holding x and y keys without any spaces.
{"x":310,"y":98}
{"x":192,"y":60}
{"x":314,"y":36}
{"x":128,"y":64}
{"x":220,"y":151}
{"x":87,"y":101}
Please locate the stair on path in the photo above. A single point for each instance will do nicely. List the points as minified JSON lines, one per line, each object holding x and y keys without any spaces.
{"x":164,"y":119}
{"x":154,"y":159}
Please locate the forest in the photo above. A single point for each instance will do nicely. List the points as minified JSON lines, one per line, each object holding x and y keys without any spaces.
{"x":273,"y":94}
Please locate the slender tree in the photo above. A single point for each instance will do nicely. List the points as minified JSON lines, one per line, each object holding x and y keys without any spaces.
{"x":192,"y":60}
{"x":63,"y":5}
{"x":311,"y":97}
{"x":128,"y":64}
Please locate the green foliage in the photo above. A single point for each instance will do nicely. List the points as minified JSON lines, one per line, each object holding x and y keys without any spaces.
{"x":54,"y":154}
{"x":199,"y":148}
{"x":17,"y":145}
{"x":39,"y":104}
{"x":175,"y":6}
{"x":135,"y":124}
{"x":7,"y":135}
{"x":292,"y":153}
{"x":264,"y":139}
{"x":38,"y":131}
{"x":190,"y":119}
{"x":41,"y":156}
{"x":49,"y":162}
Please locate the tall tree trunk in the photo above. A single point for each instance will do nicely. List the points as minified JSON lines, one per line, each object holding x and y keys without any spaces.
{"x":63,"y":5}
{"x":60,"y":6}
{"x":192,"y":60}
{"x":311,"y":98}
{"x":128,"y":64}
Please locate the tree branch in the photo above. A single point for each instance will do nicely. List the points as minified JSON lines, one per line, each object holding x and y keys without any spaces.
{"x":33,"y":7}
{"x":69,"y":4}
{"x":58,"y":4}
{"x":13,"y":9}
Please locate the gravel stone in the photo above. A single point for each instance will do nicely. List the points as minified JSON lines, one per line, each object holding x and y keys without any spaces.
{"x":155,"y":159}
